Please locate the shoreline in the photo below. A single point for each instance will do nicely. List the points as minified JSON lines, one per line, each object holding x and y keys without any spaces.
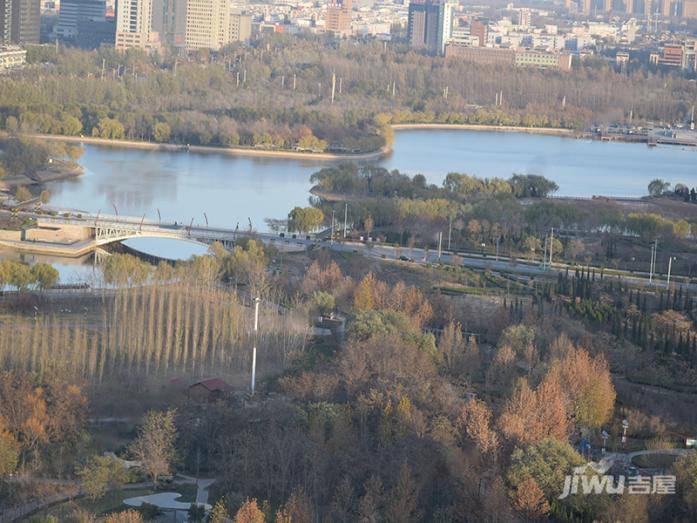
{"x":209,"y":149}
{"x":546,"y":131}
{"x":297,"y":155}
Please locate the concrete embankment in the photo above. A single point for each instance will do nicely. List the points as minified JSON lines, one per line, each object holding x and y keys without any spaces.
{"x":69,"y":241}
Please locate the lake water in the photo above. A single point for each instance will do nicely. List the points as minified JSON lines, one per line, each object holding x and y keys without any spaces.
{"x":227,"y":190}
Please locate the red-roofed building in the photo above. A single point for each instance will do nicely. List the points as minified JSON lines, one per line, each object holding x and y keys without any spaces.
{"x":209,"y":389}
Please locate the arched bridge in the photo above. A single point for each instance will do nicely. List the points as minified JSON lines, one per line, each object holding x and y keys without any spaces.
{"x":110,"y":229}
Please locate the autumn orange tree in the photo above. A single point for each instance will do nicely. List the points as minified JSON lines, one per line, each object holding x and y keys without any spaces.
{"x":588,"y":387}
{"x":531,"y":415}
{"x":46,"y":418}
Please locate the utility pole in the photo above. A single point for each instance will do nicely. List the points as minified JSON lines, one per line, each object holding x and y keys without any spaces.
{"x":544,"y":256}
{"x":440,"y":244}
{"x":341,"y":84}
{"x":670,"y":266}
{"x":333,"y":86}
{"x":254,"y":348}
{"x":551,"y":245}
{"x":345,"y":219}
{"x":654,"y":248}
{"x":295,"y":78}
{"x":450,"y":229}
{"x":331,"y":237}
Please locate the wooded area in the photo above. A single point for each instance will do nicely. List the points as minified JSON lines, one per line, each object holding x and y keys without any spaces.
{"x":277,"y":93}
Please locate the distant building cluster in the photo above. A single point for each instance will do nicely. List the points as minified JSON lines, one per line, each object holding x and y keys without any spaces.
{"x":505,"y":56}
{"x":624,"y":33}
{"x":646,"y":8}
{"x":143,"y":24}
{"x":185,"y":24}
{"x":681,"y":55}
{"x":435,"y":26}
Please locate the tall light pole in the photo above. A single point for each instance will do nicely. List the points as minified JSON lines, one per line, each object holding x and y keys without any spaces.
{"x":450,"y":229}
{"x":331,"y":240}
{"x":654,"y":248}
{"x":544,"y":256}
{"x":345,"y":219}
{"x":670,"y":266}
{"x":551,"y":246}
{"x":254,"y":347}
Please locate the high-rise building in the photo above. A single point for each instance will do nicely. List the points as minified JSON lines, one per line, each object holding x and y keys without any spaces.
{"x":338,"y":17}
{"x":92,"y":34}
{"x":240,"y":27}
{"x":666,"y":7}
{"x":134,"y":25}
{"x":689,"y":9}
{"x":5,"y":21}
{"x":445,"y":24}
{"x":74,"y":11}
{"x":478,"y":29}
{"x":524,"y":17}
{"x":169,"y":20}
{"x":430,"y":24}
{"x":207,"y":24}
{"x":20,"y":21}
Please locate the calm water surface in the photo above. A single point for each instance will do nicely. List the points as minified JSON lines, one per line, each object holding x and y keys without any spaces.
{"x":235,"y":190}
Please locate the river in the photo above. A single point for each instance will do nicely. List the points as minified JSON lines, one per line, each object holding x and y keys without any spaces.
{"x":228,"y":191}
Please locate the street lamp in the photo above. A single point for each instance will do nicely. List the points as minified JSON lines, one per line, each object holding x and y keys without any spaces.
{"x":670,"y":266}
{"x":625,"y":426}
{"x":604,"y":435}
{"x":254,"y":348}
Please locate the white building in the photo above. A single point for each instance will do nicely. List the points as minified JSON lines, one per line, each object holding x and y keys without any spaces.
{"x":133,"y":25}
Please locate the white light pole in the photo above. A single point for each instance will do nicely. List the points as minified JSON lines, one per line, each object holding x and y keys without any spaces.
{"x":654,"y":248}
{"x":450,"y":229}
{"x":254,"y":348}
{"x":670,"y":266}
{"x":625,"y":426}
{"x":332,"y":233}
{"x":551,"y":246}
{"x":345,"y":219}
